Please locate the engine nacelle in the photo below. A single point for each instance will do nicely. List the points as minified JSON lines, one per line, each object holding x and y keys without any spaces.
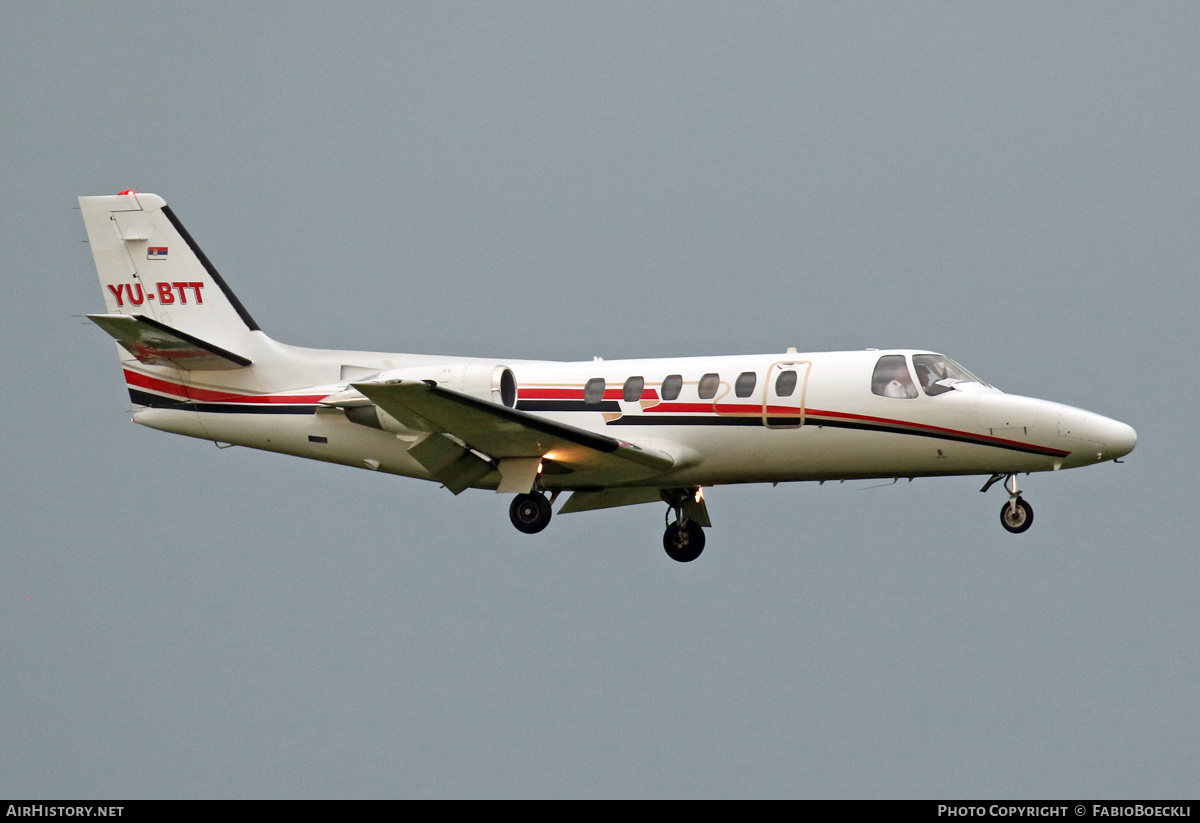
{"x":492,"y":383}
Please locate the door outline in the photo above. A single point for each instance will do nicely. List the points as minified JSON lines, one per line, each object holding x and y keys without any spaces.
{"x":773,"y":372}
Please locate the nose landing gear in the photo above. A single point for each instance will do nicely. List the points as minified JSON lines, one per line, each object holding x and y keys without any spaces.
{"x":1016,"y":515}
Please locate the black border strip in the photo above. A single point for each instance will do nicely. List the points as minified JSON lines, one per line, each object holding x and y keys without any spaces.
{"x":598,"y":441}
{"x":262,"y":408}
{"x":212,"y":270}
{"x":568,"y":406}
{"x":155,"y":401}
{"x":959,"y":438}
{"x":684,"y":420}
{"x":158,"y":401}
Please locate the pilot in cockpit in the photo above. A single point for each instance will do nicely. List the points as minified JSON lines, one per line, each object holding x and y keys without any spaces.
{"x":926,"y":377}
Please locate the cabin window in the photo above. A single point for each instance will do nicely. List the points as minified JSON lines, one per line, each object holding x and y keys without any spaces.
{"x":891,"y":378}
{"x":671,"y":386}
{"x":634,"y":387}
{"x":708,"y":386}
{"x":785,"y":383}
{"x":593,"y":392}
{"x":744,"y":386}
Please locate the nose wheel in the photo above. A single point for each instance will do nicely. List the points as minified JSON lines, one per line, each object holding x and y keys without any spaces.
{"x":1016,"y":516}
{"x":530,"y":513}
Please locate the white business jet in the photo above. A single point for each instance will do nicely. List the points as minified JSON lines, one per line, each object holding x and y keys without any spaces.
{"x":612,"y":433}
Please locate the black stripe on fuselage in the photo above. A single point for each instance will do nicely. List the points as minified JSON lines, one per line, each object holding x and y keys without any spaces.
{"x":237,"y":408}
{"x":157,"y":401}
{"x":568,"y":406}
{"x":975,"y":440}
{"x":860,"y":425}
{"x":683,"y":420}
{"x":160,"y":402}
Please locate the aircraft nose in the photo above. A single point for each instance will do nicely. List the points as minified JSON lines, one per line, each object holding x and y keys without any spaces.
{"x":1115,"y":438}
{"x":1112,"y":438}
{"x":1119,"y":439}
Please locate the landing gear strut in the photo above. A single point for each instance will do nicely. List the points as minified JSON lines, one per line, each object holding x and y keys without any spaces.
{"x":1016,"y":515}
{"x":530,"y":513}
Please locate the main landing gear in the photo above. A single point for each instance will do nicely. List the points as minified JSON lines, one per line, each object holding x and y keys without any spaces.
{"x":684,"y":541}
{"x":530,"y":513}
{"x":1016,"y":515}
{"x":684,"y":538}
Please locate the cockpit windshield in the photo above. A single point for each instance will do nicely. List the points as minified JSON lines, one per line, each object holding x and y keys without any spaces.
{"x":938,"y":374}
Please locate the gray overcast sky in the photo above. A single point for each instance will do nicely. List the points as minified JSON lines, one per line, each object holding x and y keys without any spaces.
{"x":1012,"y":184}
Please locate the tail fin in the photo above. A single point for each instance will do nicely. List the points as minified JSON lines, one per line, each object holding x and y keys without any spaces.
{"x":152,"y":271}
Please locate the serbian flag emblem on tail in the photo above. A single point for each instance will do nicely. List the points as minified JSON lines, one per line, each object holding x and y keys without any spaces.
{"x":156,"y":253}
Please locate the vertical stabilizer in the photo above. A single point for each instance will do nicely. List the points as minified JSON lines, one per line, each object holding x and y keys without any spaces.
{"x":150,"y":266}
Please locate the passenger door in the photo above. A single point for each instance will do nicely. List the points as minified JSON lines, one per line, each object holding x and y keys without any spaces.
{"x":784,"y":393}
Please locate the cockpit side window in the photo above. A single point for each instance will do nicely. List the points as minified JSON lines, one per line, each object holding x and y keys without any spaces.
{"x":937,"y":374}
{"x":891,"y":378}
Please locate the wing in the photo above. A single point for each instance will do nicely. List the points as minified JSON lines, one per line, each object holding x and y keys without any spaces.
{"x":517,"y":440}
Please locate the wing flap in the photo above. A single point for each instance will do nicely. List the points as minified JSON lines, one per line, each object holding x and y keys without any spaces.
{"x":453,"y":466}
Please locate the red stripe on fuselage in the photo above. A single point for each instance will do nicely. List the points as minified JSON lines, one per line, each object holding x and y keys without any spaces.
{"x":577,"y":394}
{"x":181,"y":390}
{"x":719,"y":409}
{"x":982,"y":438}
{"x":550,"y":394}
{"x":756,"y":410}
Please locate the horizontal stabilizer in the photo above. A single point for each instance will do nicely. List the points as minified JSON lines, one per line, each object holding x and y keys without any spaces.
{"x":501,"y":432}
{"x":157,"y":344}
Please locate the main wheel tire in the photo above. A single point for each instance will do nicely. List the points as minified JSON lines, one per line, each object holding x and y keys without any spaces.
{"x":1018,"y":519}
{"x":530,"y":513}
{"x":684,"y":544}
